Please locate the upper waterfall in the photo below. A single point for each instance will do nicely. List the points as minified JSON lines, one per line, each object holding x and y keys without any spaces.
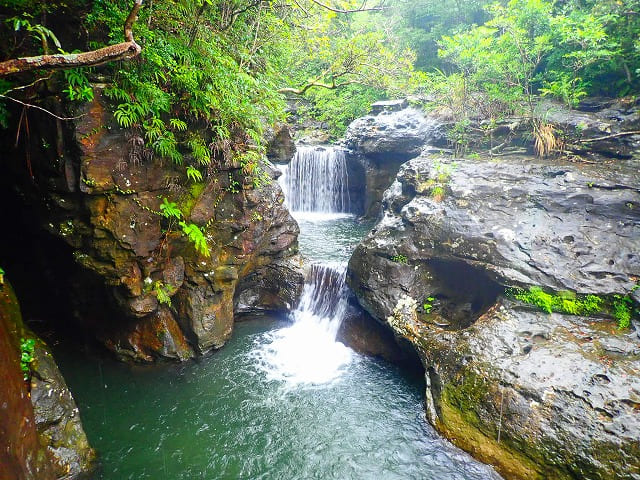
{"x":316,"y":181}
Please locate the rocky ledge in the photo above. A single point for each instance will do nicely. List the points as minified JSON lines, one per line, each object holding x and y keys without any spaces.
{"x":538,"y":395}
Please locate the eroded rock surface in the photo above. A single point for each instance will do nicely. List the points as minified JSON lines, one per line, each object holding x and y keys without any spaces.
{"x":538,"y":395}
{"x":382,"y":142}
{"x":143,"y":289}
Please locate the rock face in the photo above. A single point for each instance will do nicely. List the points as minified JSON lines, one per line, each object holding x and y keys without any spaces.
{"x":280,"y":147}
{"x":142,"y":287}
{"x":382,"y":142}
{"x":41,"y":435}
{"x":538,"y":395}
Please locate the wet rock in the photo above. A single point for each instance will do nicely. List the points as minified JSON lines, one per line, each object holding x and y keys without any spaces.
{"x":142,"y":288}
{"x":281,"y":147}
{"x":58,"y":419}
{"x":41,"y":435}
{"x":382,"y":142}
{"x":538,"y":395}
{"x":389,"y":133}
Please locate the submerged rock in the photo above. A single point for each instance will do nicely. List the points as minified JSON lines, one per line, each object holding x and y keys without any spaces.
{"x":538,"y":395}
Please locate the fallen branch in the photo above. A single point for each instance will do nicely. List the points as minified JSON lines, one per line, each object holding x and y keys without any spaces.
{"x":607,"y":137}
{"x":122,"y":51}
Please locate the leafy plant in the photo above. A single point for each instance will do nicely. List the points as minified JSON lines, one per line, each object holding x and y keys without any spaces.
{"x":163,"y":292}
{"x":428,"y":304}
{"x":399,"y":258}
{"x":437,"y":192}
{"x":27,"y":348}
{"x":1,"y":276}
{"x":194,"y":174}
{"x":170,"y":209}
{"x":78,"y":87}
{"x":195,"y":235}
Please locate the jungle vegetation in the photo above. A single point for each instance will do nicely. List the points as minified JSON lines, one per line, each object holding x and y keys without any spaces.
{"x":229,"y":66}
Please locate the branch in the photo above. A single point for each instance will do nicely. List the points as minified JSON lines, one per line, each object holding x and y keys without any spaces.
{"x":328,"y":86}
{"x":121,"y":51}
{"x":29,"y":105}
{"x":607,"y":137}
{"x":362,"y":8}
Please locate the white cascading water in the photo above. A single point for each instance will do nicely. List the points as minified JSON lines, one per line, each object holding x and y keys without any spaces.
{"x":315,"y":182}
{"x":316,"y":188}
{"x":307,"y":352}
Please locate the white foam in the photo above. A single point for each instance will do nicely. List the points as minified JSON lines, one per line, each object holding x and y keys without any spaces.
{"x":307,"y":352}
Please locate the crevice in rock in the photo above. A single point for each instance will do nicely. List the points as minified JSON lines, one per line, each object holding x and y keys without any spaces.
{"x":461,"y":293}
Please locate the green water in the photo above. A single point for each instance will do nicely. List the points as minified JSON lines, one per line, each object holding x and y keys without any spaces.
{"x":233,"y":415}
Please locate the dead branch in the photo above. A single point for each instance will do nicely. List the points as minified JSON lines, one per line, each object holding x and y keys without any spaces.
{"x":121,"y":51}
{"x":362,"y":8}
{"x":29,"y":105}
{"x":608,"y":137}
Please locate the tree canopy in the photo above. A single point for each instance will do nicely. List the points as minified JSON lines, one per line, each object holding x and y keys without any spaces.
{"x":229,"y":65}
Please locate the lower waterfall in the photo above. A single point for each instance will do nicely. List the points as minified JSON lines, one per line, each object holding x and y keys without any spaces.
{"x":307,"y":351}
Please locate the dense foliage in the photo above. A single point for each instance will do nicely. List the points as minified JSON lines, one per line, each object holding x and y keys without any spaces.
{"x":503,"y":54}
{"x":227,"y":66}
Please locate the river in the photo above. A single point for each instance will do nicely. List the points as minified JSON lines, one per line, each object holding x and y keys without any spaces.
{"x":282,"y":400}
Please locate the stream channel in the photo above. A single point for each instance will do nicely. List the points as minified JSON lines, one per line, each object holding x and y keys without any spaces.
{"x":283,"y":399}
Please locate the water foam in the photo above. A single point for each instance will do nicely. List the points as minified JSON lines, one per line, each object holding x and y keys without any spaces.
{"x":307,"y":352}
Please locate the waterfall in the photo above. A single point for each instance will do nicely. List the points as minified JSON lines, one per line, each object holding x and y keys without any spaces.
{"x":316,"y":188}
{"x":316,"y":181}
{"x":307,"y":352}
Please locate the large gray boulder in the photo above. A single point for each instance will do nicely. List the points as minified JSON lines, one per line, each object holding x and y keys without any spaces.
{"x":383,"y":141}
{"x":539,"y":395}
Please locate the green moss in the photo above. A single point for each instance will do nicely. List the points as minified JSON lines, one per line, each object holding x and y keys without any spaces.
{"x":622,"y":310}
{"x":188,"y":201}
{"x":619,"y":306}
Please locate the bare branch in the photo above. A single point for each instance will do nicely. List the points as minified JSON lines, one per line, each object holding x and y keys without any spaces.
{"x":121,"y":51}
{"x":29,"y":105}
{"x":328,"y":86}
{"x":362,"y":8}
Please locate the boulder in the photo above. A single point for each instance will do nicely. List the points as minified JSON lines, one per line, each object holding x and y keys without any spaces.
{"x":383,"y":141}
{"x":138,"y":283}
{"x":538,"y":395}
{"x":41,"y":434}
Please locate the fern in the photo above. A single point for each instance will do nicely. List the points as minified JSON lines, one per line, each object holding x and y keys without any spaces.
{"x":195,"y":236}
{"x":200,"y":152}
{"x":126,"y":115}
{"x":170,"y":209}
{"x":194,"y":174}
{"x":163,"y":292}
{"x":178,"y":124}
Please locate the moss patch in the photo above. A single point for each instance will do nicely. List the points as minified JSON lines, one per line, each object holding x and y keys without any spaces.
{"x":455,"y":426}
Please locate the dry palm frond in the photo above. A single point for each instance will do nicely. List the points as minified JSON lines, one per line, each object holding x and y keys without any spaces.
{"x":545,"y":139}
